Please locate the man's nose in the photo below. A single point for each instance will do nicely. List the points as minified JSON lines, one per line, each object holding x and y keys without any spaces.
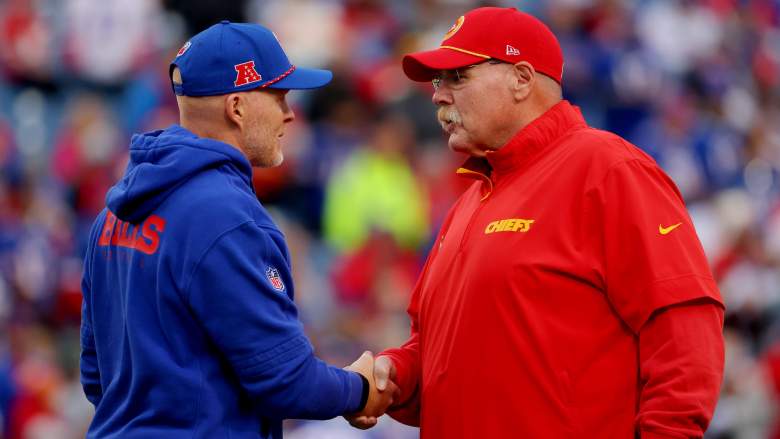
{"x":289,"y":115}
{"x":442,"y":96}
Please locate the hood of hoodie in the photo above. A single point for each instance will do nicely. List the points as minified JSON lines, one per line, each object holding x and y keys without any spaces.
{"x":162,"y":160}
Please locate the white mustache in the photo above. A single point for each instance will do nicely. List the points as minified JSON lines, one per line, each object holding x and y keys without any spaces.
{"x":449,"y":114}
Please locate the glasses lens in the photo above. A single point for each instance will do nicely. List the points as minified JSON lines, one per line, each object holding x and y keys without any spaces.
{"x":455,"y":76}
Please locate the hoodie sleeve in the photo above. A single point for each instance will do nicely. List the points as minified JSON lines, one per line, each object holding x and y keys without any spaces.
{"x":88,"y":364}
{"x":240,"y":292}
{"x":90,"y":374}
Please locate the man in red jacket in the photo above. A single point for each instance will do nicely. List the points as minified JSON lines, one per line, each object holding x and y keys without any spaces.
{"x":567,"y":294}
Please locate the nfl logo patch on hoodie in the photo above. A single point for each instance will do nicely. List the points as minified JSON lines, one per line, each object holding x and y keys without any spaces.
{"x":273,"y":276}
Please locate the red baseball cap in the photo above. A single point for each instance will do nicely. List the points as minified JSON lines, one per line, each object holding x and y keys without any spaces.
{"x":483,"y":33}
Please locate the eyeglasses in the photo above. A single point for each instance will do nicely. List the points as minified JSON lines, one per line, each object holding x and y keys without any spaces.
{"x":455,"y":77}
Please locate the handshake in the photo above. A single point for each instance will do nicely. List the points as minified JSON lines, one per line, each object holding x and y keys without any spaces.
{"x":380,"y":373}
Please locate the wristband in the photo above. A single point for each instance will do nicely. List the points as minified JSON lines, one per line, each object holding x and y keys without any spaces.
{"x":364,"y":396}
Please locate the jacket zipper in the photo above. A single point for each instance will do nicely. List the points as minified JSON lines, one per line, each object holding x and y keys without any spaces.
{"x":472,"y":220}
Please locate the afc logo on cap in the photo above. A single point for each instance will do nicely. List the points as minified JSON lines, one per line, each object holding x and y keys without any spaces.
{"x":246,"y":74}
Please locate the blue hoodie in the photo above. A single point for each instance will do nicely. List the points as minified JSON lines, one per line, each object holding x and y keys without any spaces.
{"x":189,"y":328}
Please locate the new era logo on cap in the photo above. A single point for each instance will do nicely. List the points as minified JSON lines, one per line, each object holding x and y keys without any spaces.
{"x":246,"y":74}
{"x":511,"y":50}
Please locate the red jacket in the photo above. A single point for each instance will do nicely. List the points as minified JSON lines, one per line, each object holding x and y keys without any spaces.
{"x":567,"y":296}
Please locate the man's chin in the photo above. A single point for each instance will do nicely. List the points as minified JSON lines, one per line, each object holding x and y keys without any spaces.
{"x":268,"y":162}
{"x":277,"y":161}
{"x":455,"y":144}
{"x":465,"y":148}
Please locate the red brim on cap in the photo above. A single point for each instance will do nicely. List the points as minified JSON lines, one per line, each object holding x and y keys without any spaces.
{"x":422,"y":66}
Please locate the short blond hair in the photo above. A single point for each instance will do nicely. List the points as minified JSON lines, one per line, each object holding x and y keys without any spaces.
{"x":176,"y":76}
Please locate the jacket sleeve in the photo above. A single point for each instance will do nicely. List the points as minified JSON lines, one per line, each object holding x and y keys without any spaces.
{"x":408,"y":370}
{"x":241,"y":291}
{"x":681,"y":358}
{"x":658,"y":281}
{"x":407,"y":359}
{"x":652,"y":257}
{"x":88,"y":364}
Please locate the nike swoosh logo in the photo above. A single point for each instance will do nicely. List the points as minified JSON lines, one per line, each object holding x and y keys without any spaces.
{"x":665,"y":230}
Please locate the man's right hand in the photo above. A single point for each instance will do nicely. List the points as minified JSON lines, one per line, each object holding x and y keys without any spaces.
{"x":384,"y":372}
{"x":379,"y":374}
{"x":382,"y":378}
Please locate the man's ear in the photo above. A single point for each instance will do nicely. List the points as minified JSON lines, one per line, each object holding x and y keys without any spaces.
{"x":524,"y":79}
{"x":235,"y":109}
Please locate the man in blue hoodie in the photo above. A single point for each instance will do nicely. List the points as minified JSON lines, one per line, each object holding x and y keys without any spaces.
{"x":189,"y":328}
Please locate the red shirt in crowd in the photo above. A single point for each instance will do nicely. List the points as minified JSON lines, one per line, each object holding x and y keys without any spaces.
{"x":567,"y":295}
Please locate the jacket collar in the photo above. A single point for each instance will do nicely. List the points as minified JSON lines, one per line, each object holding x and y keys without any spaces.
{"x":525,"y":147}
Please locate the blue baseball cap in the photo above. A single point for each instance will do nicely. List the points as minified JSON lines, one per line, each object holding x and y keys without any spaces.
{"x":231,"y":57}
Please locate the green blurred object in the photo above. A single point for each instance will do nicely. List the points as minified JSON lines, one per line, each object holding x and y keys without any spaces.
{"x":372,"y":191}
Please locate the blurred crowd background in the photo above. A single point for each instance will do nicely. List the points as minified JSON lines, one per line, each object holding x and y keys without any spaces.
{"x":367,"y":176}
